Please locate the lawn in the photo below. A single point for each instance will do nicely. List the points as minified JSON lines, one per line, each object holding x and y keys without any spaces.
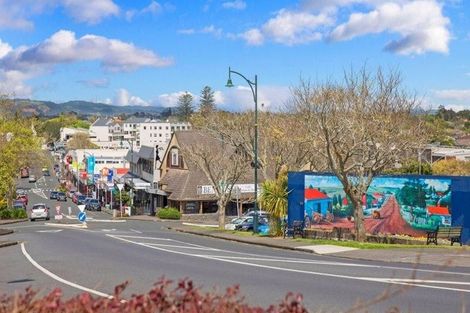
{"x":371,"y":245}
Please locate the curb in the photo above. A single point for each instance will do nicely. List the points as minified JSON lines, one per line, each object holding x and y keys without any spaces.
{"x":264,"y":244}
{"x":5,"y":231}
{"x":8,"y":243}
{"x":6,"y":222}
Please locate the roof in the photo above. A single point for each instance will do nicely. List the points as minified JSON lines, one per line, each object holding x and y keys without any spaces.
{"x":101,"y":122}
{"x":132,"y":156}
{"x":135,"y":119}
{"x":146,"y":152}
{"x":438,"y":210}
{"x":315,"y":194}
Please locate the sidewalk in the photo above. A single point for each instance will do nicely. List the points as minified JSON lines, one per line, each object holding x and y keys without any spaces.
{"x":455,"y":256}
{"x":7,"y":243}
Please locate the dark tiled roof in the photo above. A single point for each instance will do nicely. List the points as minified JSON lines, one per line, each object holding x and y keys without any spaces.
{"x":134,"y":155}
{"x":101,"y":122}
{"x":146,"y":152}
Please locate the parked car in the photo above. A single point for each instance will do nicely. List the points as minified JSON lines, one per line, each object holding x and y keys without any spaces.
{"x":53,"y":195}
{"x":39,"y":210}
{"x":248,"y":224}
{"x":45,"y":172}
{"x":18,"y":204}
{"x":93,"y":205}
{"x":81,"y":199}
{"x":75,"y":197}
{"x":32,"y":178}
{"x":236,"y":221}
{"x":61,"y":196}
{"x":23,"y":198}
{"x":259,"y":212}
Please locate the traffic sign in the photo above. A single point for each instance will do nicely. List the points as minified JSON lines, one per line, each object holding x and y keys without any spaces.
{"x":120,"y":186}
{"x":81,"y":207}
{"x":82,"y":216}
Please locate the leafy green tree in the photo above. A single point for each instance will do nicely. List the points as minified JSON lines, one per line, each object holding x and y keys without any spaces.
{"x":451,"y":167}
{"x":412,"y":167}
{"x":207,"y":102}
{"x":185,"y":106}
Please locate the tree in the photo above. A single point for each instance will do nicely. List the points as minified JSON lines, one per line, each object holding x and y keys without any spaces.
{"x":185,"y":106}
{"x":451,"y":167}
{"x":273,"y":198}
{"x":359,"y":128}
{"x":80,"y":141}
{"x":222,"y":165}
{"x":207,"y":102}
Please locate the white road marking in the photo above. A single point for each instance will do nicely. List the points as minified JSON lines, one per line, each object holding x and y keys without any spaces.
{"x":181,"y":247}
{"x":109,"y":230}
{"x":60,"y":279}
{"x":49,"y":231}
{"x":81,"y":225}
{"x":135,"y":231}
{"x":410,"y":282}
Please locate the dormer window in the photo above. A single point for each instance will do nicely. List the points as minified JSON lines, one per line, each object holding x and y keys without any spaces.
{"x":174,"y":157}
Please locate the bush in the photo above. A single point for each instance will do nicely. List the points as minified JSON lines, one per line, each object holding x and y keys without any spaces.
{"x":169,"y":214}
{"x":19,"y":214}
{"x":162,"y":298}
{"x":5,"y":214}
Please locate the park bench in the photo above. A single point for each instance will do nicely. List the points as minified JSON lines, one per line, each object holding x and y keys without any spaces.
{"x":453,"y":234}
{"x":297,"y":228}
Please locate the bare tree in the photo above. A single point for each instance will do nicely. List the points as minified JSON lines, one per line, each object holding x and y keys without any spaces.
{"x":359,"y":128}
{"x":281,"y":142}
{"x":222,"y":165}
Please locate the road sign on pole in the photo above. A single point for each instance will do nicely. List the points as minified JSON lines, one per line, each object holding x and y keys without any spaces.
{"x":120,"y":186}
{"x":82,"y":216}
{"x":81,"y":207}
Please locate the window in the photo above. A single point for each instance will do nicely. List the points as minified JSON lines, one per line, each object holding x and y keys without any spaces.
{"x":166,"y":128}
{"x":150,"y":135}
{"x":174,"y":157}
{"x":159,"y":135}
{"x":145,"y":127}
{"x":182,"y":127}
{"x":159,"y":127}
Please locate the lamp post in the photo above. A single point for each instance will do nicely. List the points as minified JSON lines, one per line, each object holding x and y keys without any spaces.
{"x":254,"y":91}
{"x":131,"y":143}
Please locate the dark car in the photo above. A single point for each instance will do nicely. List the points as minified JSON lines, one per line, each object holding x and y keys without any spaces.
{"x":93,"y":205}
{"x":61,"y":196}
{"x":53,"y":195}
{"x":18,"y":204}
{"x":46,"y":173}
{"x":81,"y":199}
{"x":248,"y":224}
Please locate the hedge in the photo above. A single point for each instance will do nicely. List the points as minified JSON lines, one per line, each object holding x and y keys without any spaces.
{"x":12,"y":214}
{"x":169,"y":214}
{"x":162,"y":298}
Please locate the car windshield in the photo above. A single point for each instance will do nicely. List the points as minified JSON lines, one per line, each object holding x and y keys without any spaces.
{"x":81,"y":197}
{"x":94,"y":201}
{"x":20,"y":203}
{"x":39,"y":207}
{"x":61,"y":193}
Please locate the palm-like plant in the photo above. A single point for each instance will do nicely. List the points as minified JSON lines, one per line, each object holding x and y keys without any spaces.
{"x":273,"y":199}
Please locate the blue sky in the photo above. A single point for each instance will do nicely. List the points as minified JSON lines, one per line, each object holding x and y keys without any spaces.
{"x":148,"y":52}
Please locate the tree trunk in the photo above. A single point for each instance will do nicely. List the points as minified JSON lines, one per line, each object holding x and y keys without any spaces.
{"x":221,"y":203}
{"x":359,"y":220}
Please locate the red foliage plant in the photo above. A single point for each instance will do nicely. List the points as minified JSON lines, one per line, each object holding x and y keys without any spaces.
{"x":162,"y":298}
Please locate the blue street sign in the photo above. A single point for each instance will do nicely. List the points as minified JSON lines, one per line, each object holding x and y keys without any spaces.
{"x":110,"y":175}
{"x":82,"y":216}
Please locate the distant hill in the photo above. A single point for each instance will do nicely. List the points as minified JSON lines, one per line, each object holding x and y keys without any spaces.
{"x":49,"y":108}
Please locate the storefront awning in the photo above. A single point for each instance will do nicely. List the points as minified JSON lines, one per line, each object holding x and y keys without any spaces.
{"x":138,"y":183}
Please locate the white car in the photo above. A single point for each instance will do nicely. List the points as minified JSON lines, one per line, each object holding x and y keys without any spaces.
{"x":238,"y":220}
{"x":39,"y":210}
{"x":32,"y":179}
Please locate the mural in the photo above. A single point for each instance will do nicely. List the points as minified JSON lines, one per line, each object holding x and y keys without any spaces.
{"x":393,"y":205}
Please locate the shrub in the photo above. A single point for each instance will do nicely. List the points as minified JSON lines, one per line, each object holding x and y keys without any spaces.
{"x":5,"y":214}
{"x":169,"y":214}
{"x":18,"y":213}
{"x":162,"y":298}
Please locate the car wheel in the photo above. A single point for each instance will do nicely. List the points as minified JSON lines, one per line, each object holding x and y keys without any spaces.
{"x":31,"y":219}
{"x":48,"y":218}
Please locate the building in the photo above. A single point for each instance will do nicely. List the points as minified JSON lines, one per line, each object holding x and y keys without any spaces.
{"x":67,"y":133}
{"x":317,"y":202}
{"x":185,"y":187}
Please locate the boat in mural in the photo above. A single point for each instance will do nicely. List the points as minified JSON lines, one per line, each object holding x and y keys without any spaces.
{"x":392,"y":205}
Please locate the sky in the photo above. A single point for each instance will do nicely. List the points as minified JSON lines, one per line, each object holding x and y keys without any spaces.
{"x":147,"y":52}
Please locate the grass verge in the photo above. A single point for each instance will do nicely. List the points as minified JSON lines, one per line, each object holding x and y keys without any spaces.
{"x":370,"y":245}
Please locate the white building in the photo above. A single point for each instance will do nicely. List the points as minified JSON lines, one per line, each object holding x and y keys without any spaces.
{"x":68,"y":132}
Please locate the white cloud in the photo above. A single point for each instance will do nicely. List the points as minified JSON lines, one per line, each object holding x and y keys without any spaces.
{"x":271,"y":98}
{"x":18,"y":13}
{"x":124,"y":98}
{"x":236,"y":5}
{"x":290,"y":28}
{"x":168,"y":100}
{"x":453,"y":94}
{"x":23,"y":63}
{"x":90,"y":12}
{"x":211,"y":29}
{"x":421,"y":25}
{"x":153,"y":8}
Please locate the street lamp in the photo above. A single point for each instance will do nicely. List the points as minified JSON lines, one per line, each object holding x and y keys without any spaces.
{"x":254,"y":90}
{"x":131,"y":143}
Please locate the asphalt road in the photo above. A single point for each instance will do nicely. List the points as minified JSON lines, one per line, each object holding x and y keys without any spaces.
{"x":106,"y":253}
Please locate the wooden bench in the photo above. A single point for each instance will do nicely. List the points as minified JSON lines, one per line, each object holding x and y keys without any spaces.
{"x":454,"y":234}
{"x":297,"y":228}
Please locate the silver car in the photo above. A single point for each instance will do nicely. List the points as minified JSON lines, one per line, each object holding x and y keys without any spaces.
{"x":39,"y":210}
